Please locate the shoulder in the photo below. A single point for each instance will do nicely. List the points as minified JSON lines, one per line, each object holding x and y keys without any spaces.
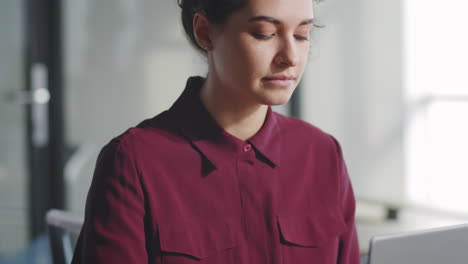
{"x":302,"y":132}
{"x":147,"y":138}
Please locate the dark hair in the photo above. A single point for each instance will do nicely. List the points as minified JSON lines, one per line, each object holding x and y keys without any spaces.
{"x":217,"y":12}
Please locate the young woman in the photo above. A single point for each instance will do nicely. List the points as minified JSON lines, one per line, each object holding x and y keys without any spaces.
{"x":219,"y":178}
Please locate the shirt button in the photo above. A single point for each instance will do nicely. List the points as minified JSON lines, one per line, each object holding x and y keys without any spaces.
{"x":247,"y":147}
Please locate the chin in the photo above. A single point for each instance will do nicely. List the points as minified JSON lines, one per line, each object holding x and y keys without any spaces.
{"x":273,"y":95}
{"x":279,"y":102}
{"x":277,"y":98}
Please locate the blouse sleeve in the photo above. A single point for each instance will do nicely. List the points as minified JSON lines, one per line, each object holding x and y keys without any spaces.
{"x":349,"y":245}
{"x":113,"y":230}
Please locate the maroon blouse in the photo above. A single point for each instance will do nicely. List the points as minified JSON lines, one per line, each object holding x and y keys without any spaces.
{"x":179,"y":189}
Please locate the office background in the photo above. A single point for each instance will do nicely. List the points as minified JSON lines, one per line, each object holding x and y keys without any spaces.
{"x":385,"y":77}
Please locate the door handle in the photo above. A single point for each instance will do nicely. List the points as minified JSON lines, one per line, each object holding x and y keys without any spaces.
{"x":39,"y":99}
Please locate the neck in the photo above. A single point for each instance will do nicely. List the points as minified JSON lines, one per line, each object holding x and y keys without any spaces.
{"x":240,"y":118}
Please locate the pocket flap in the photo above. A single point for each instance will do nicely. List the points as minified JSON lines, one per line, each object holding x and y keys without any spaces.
{"x":197,"y":240}
{"x":310,"y":230}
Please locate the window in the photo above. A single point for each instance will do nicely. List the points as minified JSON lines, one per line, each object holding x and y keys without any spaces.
{"x":436,"y":91}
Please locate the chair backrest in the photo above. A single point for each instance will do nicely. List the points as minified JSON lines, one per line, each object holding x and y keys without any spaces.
{"x":63,"y":229}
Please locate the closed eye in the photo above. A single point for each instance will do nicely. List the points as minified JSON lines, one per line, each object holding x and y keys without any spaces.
{"x":301,"y":37}
{"x":267,"y":37}
{"x":262,"y":37}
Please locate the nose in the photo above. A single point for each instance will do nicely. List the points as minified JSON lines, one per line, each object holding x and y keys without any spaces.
{"x":287,"y":54}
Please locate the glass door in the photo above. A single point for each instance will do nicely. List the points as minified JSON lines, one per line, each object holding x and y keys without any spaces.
{"x":31,"y":132}
{"x":13,"y":155}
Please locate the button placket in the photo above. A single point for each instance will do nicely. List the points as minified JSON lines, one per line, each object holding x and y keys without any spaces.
{"x":247,"y":148}
{"x":249,"y":154}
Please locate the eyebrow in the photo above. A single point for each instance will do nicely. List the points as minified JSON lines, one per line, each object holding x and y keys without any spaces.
{"x":276,"y":21}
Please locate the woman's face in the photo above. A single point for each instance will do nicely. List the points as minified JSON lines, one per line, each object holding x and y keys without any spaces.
{"x":259,"y":55}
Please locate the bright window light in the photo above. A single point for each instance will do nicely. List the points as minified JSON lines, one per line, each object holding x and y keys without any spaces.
{"x":436,"y":87}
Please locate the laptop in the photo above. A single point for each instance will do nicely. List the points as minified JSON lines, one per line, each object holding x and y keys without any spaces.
{"x":445,"y":245}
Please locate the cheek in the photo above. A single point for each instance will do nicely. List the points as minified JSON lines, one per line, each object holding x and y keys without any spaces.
{"x":303,"y":57}
{"x":256,"y":57}
{"x":305,"y":51}
{"x":241,"y":60}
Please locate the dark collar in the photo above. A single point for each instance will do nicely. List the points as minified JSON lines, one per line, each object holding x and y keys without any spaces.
{"x":211,"y":140}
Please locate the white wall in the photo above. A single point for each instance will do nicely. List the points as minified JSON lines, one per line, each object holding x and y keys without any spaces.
{"x":354,"y":90}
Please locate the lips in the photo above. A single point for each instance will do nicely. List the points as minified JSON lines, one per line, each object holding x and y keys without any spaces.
{"x":280,"y":80}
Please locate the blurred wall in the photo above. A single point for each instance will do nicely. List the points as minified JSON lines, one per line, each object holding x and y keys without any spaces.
{"x":354,"y":90}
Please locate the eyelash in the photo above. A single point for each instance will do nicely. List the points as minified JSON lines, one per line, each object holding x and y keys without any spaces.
{"x":301,"y":38}
{"x":263,"y":37}
{"x":267,"y":37}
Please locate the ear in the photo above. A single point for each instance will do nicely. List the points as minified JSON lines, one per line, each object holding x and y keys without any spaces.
{"x":202,"y":29}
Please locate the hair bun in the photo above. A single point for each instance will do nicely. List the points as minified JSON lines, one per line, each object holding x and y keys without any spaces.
{"x":188,"y":4}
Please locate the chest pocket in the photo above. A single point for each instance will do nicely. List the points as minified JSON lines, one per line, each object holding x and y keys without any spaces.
{"x":310,"y":238}
{"x":184,"y":242}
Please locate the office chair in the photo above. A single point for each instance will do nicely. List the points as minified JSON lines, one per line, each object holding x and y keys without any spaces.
{"x":63,"y":229}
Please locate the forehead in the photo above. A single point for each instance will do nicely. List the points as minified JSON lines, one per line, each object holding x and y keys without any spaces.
{"x":284,"y":10}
